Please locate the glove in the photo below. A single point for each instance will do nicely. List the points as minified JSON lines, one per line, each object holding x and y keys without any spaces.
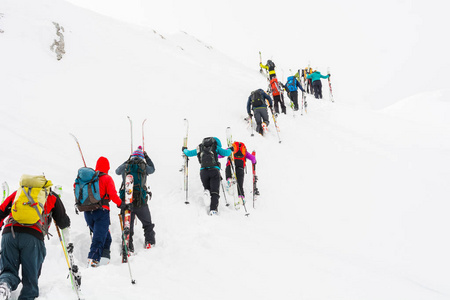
{"x":329,"y":75}
{"x":250,"y":115}
{"x":231,"y":148}
{"x":124,"y":207}
{"x":70,"y":248}
{"x":183,"y":148}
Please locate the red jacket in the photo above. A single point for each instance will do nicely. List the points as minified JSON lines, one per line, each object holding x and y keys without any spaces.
{"x":106,"y":183}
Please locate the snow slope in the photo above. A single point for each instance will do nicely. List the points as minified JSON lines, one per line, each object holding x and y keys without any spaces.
{"x":353,"y":201}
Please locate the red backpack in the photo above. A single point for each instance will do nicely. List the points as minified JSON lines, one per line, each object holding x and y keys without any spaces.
{"x":274,"y":87}
{"x":239,"y":152}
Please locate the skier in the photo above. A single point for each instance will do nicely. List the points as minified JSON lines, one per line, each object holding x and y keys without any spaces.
{"x":24,"y":245}
{"x":207,"y":153}
{"x":277,"y":94}
{"x":98,"y":220}
{"x":140,"y":166}
{"x":291,"y":85}
{"x":270,"y":66}
{"x":241,"y":155}
{"x":257,"y":103}
{"x":315,"y":77}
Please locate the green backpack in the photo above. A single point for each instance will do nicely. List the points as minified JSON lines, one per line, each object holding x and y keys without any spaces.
{"x":136,"y":167}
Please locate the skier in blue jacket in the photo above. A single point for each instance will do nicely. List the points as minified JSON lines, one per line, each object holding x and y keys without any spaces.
{"x":207,"y":153}
{"x":291,"y":87}
{"x":316,"y":83}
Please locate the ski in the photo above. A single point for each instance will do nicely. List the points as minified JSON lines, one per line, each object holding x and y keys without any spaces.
{"x":274,"y":121}
{"x":74,"y":274}
{"x":260,"y":63}
{"x":255,"y":180}
{"x":131,"y":133}
{"x":79,"y":148}
{"x":233,"y":173}
{"x":329,"y":84}
{"x":5,"y":188}
{"x":129,"y":181}
{"x":143,"y":147}
{"x":186,"y":162}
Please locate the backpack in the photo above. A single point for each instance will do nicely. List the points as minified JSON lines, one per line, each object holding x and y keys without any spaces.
{"x":257,"y":99}
{"x":270,"y":64}
{"x":87,"y":189}
{"x":137,"y":168}
{"x":291,"y":84}
{"x":207,"y":153}
{"x":28,"y":206}
{"x":274,"y":87}
{"x":239,"y":154}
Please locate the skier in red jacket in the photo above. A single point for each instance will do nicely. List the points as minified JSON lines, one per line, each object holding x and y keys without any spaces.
{"x":98,"y":220}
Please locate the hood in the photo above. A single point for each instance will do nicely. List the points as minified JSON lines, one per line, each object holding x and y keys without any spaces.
{"x":102,"y":165}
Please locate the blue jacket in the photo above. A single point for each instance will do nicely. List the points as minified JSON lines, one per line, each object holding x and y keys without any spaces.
{"x":220,"y":150}
{"x":316,"y":76}
{"x":249,"y":101}
{"x":297,"y":84}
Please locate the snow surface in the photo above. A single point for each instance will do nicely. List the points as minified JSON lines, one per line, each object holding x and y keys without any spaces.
{"x":354,"y":202}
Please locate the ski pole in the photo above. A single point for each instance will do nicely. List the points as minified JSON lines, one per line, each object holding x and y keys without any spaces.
{"x":329,"y":84}
{"x":186,"y":162}
{"x":223,"y":190}
{"x":274,"y":121}
{"x":75,"y":283}
{"x":79,"y":148}
{"x":123,"y":237}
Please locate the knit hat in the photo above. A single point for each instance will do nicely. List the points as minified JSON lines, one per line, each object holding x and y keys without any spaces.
{"x":138,"y":153}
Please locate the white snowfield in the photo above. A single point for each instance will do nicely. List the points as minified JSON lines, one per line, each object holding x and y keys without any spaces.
{"x":354,"y":202}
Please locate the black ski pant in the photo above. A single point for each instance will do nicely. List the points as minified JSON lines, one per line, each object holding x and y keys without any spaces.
{"x":143,"y":214}
{"x":239,"y":178}
{"x":278,"y":100}
{"x":211,"y":181}
{"x":261,"y":115}
{"x":294,"y":98}
{"x":309,"y":86}
{"x":317,"y":85}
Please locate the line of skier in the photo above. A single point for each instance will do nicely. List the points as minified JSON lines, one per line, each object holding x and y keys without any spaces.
{"x":306,"y":80}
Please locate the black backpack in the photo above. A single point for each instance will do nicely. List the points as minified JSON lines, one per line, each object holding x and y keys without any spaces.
{"x":136,"y":167}
{"x":207,"y":153}
{"x":270,"y":64}
{"x":257,"y":98}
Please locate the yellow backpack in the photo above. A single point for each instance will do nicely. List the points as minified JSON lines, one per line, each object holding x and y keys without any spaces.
{"x":28,"y":205}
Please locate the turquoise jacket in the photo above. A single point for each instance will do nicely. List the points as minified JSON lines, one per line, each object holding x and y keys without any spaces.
{"x":220,"y":150}
{"x":316,"y":76}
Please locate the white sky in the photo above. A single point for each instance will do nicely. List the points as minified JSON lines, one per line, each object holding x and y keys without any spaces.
{"x":386,"y":43}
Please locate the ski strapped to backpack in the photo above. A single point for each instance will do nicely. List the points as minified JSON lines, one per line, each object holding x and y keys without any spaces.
{"x":207,"y":153}
{"x":28,"y":207}
{"x":137,"y":168}
{"x":87,"y":190}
